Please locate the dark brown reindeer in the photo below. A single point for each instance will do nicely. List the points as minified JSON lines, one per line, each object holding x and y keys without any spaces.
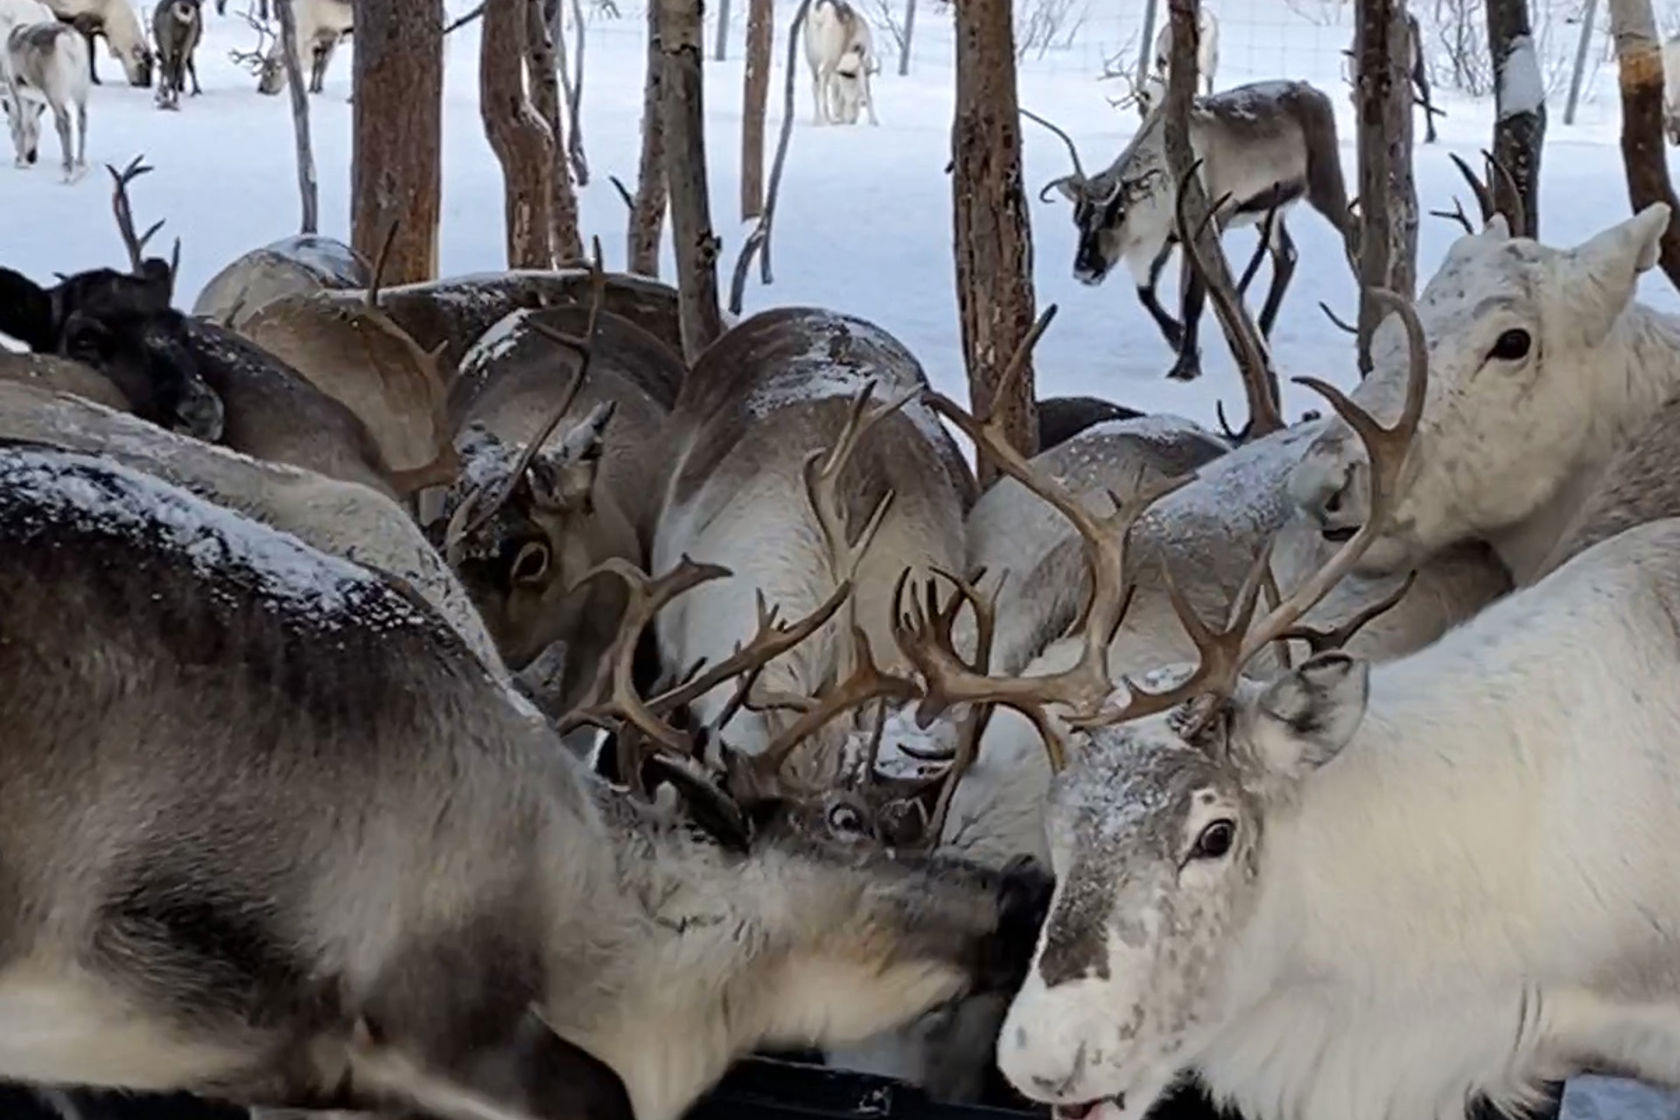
{"x":276,"y":837}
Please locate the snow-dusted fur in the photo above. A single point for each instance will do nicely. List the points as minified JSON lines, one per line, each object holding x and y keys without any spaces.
{"x":301,"y":263}
{"x":772,"y":391}
{"x":45,"y":67}
{"x":839,"y":49}
{"x":1437,"y":884}
{"x":1671,"y":89}
{"x":321,"y":25}
{"x":1154,"y":90}
{"x":125,"y":37}
{"x":1541,"y":366}
{"x":341,"y":518}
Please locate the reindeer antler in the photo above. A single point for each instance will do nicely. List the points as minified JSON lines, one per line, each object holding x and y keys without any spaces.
{"x":254,"y":60}
{"x":1485,"y":195}
{"x":136,"y":245}
{"x":474,"y":510}
{"x":1078,"y":177}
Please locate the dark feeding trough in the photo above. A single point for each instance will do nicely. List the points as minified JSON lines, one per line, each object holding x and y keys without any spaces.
{"x":755,"y":1089}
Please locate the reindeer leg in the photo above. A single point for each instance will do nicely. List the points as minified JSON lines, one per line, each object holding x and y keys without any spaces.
{"x":61,"y":122}
{"x":1283,"y":268}
{"x":81,"y":135}
{"x":1188,"y":365}
{"x":1170,"y":328}
{"x":192,"y":68}
{"x":93,"y":59}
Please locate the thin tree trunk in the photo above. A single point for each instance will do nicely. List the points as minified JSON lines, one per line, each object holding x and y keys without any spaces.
{"x":1519,"y":127}
{"x":545,"y":93}
{"x":1639,"y":69}
{"x":307,"y":191}
{"x":909,"y":35}
{"x":397,"y":124}
{"x":522,"y":143}
{"x":755,"y":96}
{"x":694,"y":244}
{"x":574,"y":101}
{"x":1387,"y":249}
{"x":647,"y":208}
{"x":721,"y":46}
{"x":992,"y":237}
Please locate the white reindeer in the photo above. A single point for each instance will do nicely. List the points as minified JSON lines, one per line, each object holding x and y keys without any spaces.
{"x":840,"y":52}
{"x":1545,"y":366}
{"x":1671,"y":89}
{"x":1154,"y":90}
{"x":1376,"y":891}
{"x":45,"y":65}
{"x":321,"y":25}
{"x":117,"y":21}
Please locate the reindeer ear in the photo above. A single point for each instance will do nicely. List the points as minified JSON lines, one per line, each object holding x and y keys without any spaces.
{"x":1306,"y":716}
{"x":26,"y":311}
{"x":1601,"y":273}
{"x":563,"y":481}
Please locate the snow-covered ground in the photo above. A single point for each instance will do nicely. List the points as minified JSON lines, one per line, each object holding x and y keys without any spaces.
{"x":864,"y":224}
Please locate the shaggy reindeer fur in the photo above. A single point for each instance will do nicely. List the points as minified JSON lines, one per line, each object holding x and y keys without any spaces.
{"x":177,"y":26}
{"x":1438,"y":880}
{"x":1062,"y":418}
{"x":1264,"y":144}
{"x":124,"y":36}
{"x":64,"y":375}
{"x":772,"y":391}
{"x":455,"y":311}
{"x":592,"y":494}
{"x":42,"y":69}
{"x":1541,"y":366}
{"x":301,"y":263}
{"x":339,"y":518}
{"x":274,"y":835}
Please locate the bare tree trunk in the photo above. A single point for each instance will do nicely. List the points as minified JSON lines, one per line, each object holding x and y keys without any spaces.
{"x":574,"y":101}
{"x":909,"y":35}
{"x":992,"y":237}
{"x":311,"y":222}
{"x":1519,"y":126}
{"x":522,"y":143}
{"x":692,"y":240}
{"x":647,"y":207}
{"x":755,"y":95}
{"x":397,"y":114}
{"x":545,"y":93}
{"x":1639,"y":69}
{"x":1387,"y":249}
{"x":721,"y":46}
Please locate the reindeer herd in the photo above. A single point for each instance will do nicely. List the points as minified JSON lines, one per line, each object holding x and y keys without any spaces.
{"x":48,"y":59}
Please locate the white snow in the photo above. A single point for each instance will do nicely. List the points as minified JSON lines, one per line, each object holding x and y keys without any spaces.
{"x":1521,"y":89}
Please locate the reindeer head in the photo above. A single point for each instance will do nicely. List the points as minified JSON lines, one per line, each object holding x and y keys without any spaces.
{"x":1527,"y":372}
{"x":146,"y":356}
{"x":1102,"y":205}
{"x":23,"y":117}
{"x":266,"y":62}
{"x":1154,"y":827}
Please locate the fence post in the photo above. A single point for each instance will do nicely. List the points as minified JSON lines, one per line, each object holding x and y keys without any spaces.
{"x":1580,"y":61}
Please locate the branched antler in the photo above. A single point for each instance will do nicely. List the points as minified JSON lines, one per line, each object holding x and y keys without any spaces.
{"x":136,"y":245}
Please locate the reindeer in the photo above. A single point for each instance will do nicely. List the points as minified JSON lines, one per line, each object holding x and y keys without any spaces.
{"x":840,"y":52}
{"x":360,"y":357}
{"x":746,"y":445}
{"x":527,"y":517}
{"x":1154,"y":90}
{"x":1062,"y":418}
{"x":1273,"y":854}
{"x":42,"y":68}
{"x":339,"y":518}
{"x":63,"y":375}
{"x":1566,"y":367}
{"x":456,"y":311}
{"x":124,"y":36}
{"x":320,"y":26}
{"x":529,"y":921}
{"x":1265,"y":146}
{"x":177,"y":26}
{"x":301,"y":263}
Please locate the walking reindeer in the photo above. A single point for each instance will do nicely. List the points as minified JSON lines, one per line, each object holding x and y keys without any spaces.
{"x":1263,"y":148}
{"x":840,"y":52}
{"x":45,"y":67}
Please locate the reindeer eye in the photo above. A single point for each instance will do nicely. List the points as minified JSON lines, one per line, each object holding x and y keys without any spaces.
{"x":1215,"y":840}
{"x":845,"y":819}
{"x":1511,"y":345}
{"x":531,"y":564}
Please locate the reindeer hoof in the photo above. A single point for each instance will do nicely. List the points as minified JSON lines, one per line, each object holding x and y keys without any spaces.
{"x":1184,"y":371}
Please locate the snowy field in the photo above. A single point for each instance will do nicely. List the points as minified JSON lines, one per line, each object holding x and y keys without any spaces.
{"x":864,"y":224}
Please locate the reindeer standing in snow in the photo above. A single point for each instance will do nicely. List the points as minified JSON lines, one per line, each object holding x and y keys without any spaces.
{"x":124,"y":36}
{"x":177,"y":25}
{"x":45,"y":65}
{"x":1154,"y":90}
{"x":840,"y":51}
{"x":321,"y":25}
